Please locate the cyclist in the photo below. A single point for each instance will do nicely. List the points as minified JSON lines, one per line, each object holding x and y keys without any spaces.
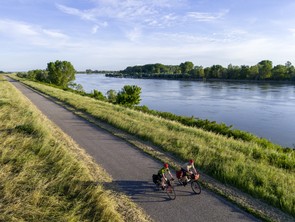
{"x":162,"y":176}
{"x":187,"y":169}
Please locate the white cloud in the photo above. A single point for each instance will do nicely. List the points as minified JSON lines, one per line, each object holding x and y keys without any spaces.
{"x":15,"y":28}
{"x":111,"y":9}
{"x":55,"y":34}
{"x":206,"y":17}
{"x":29,"y":34}
{"x":134,"y":34}
{"x":85,"y":15}
{"x":94,"y":29}
{"x":150,"y":12}
{"x":130,"y":3}
{"x":162,"y":21}
{"x":292,"y":30}
{"x":129,"y":15}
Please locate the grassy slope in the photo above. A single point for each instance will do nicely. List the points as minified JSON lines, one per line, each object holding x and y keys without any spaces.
{"x":257,"y":170}
{"x":45,"y":176}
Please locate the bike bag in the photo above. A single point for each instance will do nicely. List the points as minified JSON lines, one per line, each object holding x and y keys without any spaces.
{"x":155,"y":178}
{"x":179,"y":174}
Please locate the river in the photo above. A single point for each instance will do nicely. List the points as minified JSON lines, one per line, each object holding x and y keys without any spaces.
{"x":264,"y":109}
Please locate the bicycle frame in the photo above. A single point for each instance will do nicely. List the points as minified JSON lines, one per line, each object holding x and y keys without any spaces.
{"x":193,"y":180}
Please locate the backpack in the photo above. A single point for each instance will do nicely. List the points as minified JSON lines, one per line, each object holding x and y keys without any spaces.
{"x":155,"y":178}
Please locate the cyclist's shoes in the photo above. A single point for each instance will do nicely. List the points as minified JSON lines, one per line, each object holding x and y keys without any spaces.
{"x":162,"y":187}
{"x":184,"y":183}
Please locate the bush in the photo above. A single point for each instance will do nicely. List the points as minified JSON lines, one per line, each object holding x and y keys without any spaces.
{"x":129,"y":96}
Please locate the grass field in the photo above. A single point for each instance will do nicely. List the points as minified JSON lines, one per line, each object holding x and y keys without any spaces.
{"x":267,"y":173}
{"x":45,"y":176}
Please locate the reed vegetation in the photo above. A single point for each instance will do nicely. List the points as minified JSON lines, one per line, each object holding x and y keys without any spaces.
{"x":45,"y":176}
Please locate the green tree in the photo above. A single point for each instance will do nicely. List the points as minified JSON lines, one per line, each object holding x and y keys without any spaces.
{"x":245,"y":72}
{"x":216,"y":71}
{"x":253,"y":72}
{"x":148,"y":68}
{"x":37,"y":74}
{"x":174,"y":69}
{"x":129,"y":96}
{"x":112,"y":96}
{"x":197,"y":72}
{"x":207,"y":71}
{"x":265,"y":67}
{"x":279,"y":72}
{"x":290,"y":71}
{"x":97,"y":95}
{"x":200,"y":71}
{"x":77,"y":87}
{"x":233,"y":72}
{"x":60,"y":73}
{"x":31,"y":75}
{"x":41,"y":75}
{"x":186,"y":67}
{"x":160,"y":68}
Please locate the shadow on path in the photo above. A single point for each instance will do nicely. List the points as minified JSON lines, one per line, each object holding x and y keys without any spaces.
{"x":140,"y":191}
{"x":147,"y":191}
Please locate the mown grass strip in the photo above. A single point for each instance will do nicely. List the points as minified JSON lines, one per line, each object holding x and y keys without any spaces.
{"x":245,"y":165}
{"x":45,"y":176}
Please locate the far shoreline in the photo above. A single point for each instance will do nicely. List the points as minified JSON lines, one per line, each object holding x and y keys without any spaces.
{"x":203,"y":80}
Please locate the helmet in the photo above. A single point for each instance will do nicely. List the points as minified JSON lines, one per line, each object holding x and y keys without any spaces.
{"x":166,"y":165}
{"x":191,"y":161}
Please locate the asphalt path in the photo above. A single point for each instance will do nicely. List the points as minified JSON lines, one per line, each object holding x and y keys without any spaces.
{"x":132,"y":170}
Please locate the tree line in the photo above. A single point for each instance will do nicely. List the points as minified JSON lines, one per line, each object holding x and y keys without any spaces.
{"x":61,"y":74}
{"x":58,"y":73}
{"x":263,"y":70}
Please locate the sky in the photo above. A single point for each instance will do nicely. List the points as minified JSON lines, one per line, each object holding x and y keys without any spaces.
{"x":115,"y":34}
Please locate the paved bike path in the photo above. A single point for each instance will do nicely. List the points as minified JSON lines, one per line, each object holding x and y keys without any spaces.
{"x":132,"y":170}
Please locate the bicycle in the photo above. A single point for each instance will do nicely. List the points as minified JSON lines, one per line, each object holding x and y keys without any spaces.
{"x":193,"y":180}
{"x":168,"y":186}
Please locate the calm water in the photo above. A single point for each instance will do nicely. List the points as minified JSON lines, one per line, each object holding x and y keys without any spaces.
{"x":264,"y":109}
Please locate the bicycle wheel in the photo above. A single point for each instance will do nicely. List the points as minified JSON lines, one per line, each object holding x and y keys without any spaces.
{"x":196,"y":187}
{"x":171,"y":192}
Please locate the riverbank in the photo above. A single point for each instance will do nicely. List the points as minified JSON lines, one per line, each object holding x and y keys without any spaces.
{"x":241,"y":164}
{"x":183,"y":78}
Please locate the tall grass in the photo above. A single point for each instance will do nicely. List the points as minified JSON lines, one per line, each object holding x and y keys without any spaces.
{"x":44,"y":176}
{"x":265,"y":173}
{"x":219,"y":128}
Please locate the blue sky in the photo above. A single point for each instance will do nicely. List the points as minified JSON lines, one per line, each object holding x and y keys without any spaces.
{"x":114,"y":34}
